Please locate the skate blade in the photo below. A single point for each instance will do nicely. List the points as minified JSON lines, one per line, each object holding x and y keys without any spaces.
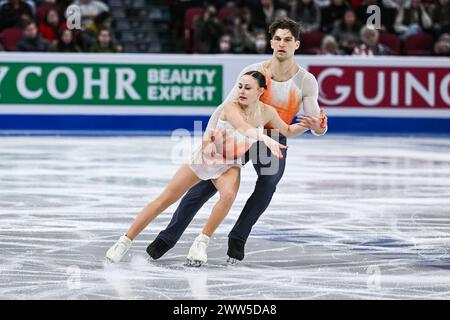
{"x":194,"y":263}
{"x":232,"y":261}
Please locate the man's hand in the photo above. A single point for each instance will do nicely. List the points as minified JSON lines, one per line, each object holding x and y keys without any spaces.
{"x":318,"y":124}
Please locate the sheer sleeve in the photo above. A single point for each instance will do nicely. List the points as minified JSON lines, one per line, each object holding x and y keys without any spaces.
{"x":310,"y":90}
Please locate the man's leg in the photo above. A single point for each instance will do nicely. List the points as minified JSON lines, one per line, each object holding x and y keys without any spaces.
{"x":187,"y":209}
{"x":255,"y":205}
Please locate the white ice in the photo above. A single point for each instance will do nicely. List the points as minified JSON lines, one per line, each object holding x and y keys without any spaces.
{"x":352,"y":218}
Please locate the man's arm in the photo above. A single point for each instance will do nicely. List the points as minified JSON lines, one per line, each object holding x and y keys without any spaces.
{"x":273,"y":119}
{"x":311,"y":104}
{"x":233,"y":95}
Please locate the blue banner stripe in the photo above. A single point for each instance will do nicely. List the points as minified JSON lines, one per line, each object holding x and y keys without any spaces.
{"x":160,"y":123}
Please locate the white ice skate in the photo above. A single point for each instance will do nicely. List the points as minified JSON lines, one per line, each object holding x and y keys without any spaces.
{"x":118,"y":250}
{"x":197,"y":253}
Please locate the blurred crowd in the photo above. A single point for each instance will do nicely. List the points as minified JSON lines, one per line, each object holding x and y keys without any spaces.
{"x":334,"y":27}
{"x":40,"y":26}
{"x":331,"y":27}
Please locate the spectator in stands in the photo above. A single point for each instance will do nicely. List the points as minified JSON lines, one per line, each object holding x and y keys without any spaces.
{"x":247,"y":18}
{"x":440,"y":15}
{"x":105,"y":43}
{"x":412,"y":19}
{"x":1,"y":47}
{"x":13,"y":13}
{"x":307,"y":13}
{"x":31,"y":39}
{"x":242,"y":39}
{"x":65,"y":42}
{"x":370,"y":45}
{"x":262,"y":44}
{"x":90,"y":34}
{"x":264,"y":13}
{"x":442,"y":46}
{"x":329,"y":46}
{"x":333,"y":14}
{"x":347,"y":32}
{"x":207,"y":29}
{"x":51,"y":26}
{"x":89,"y":10}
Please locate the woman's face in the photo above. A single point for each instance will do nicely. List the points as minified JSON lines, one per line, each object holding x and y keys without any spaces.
{"x":350,"y":17}
{"x":249,"y":90}
{"x":52,"y":17}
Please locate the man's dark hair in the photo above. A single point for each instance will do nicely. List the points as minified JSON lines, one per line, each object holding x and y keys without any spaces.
{"x":27,"y":23}
{"x":285,"y":23}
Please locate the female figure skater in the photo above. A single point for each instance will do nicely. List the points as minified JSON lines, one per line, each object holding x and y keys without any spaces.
{"x":240,"y":125}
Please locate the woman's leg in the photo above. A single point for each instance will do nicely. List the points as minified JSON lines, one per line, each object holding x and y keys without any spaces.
{"x":227,"y":185}
{"x":183,"y":179}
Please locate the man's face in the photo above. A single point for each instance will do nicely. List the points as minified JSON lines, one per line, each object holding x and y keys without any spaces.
{"x":284,"y":44}
{"x":31,"y":31}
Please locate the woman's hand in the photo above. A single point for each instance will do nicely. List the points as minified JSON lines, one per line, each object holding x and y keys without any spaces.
{"x":274,"y":146}
{"x":318,"y":124}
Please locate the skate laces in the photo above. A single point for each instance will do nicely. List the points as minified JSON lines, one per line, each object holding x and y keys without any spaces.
{"x":201,"y":240}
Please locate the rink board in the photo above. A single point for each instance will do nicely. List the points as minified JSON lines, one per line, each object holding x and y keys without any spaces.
{"x":156,"y":94}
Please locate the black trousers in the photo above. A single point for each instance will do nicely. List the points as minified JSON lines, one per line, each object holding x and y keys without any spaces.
{"x":269,"y":170}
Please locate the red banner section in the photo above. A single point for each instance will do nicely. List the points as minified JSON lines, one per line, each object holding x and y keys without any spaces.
{"x":383,"y":87}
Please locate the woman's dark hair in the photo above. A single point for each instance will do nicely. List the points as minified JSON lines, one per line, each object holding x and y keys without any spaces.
{"x":285,"y":23}
{"x":259,"y":77}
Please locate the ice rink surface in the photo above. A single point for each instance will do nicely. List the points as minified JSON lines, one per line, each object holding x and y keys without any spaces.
{"x":352,"y":218}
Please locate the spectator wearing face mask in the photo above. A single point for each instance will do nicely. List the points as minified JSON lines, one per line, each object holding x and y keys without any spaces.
{"x":224,"y":45}
{"x":442,"y":46}
{"x":261,"y":43}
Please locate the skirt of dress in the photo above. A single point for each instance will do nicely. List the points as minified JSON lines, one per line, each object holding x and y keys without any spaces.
{"x":210,"y":168}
